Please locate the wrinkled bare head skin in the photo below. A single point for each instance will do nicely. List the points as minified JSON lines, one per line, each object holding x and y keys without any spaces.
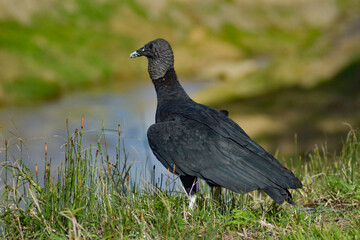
{"x":159,"y":55}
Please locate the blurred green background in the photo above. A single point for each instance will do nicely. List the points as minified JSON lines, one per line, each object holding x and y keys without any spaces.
{"x":280,"y":67}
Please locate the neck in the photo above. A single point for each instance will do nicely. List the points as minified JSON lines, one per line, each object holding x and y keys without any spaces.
{"x":168,"y":87}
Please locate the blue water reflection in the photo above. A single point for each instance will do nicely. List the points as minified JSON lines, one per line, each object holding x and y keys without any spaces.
{"x":27,"y":129}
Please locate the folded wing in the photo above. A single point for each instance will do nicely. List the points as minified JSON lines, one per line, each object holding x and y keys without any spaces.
{"x":211,"y":146}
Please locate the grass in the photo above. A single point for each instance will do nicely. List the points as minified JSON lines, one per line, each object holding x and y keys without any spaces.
{"x":91,"y":196}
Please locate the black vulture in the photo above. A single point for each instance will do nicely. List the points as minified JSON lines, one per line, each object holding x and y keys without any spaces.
{"x":197,"y":141}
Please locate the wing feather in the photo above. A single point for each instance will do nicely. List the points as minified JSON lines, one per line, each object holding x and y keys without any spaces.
{"x":206,"y":146}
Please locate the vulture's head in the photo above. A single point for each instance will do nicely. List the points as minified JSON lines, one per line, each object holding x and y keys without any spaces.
{"x":159,"y":55}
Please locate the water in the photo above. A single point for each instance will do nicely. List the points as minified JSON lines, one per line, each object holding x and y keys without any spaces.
{"x":133,"y":109}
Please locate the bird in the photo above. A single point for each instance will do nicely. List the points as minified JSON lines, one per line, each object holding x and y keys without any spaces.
{"x":197,"y":141}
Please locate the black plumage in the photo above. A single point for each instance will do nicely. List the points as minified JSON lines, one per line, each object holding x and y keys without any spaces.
{"x":198,"y":141}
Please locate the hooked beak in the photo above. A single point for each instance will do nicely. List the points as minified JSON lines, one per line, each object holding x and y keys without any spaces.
{"x":137,"y":53}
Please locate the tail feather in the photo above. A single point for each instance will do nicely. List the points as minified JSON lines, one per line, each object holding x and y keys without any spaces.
{"x":279,"y":195}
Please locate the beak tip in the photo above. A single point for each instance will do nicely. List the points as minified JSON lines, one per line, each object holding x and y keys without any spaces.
{"x":134,"y":54}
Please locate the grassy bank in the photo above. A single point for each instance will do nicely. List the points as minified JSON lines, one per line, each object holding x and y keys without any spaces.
{"x":91,"y":196}
{"x":51,"y":47}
